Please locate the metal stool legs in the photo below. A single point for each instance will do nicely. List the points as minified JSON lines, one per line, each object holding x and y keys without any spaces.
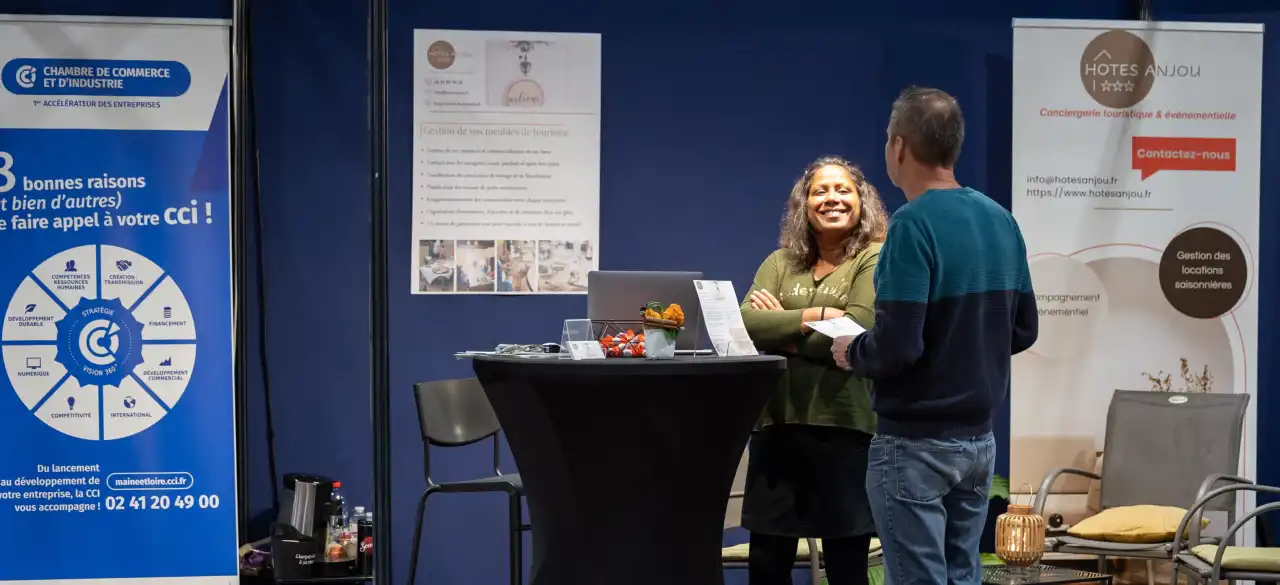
{"x":417,"y":535}
{"x":515,"y":522}
{"x":515,"y":531}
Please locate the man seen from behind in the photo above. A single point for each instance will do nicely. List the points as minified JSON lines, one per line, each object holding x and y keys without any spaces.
{"x":953,"y":303}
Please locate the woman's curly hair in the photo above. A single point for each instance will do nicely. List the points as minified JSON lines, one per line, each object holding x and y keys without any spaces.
{"x":798,"y":238}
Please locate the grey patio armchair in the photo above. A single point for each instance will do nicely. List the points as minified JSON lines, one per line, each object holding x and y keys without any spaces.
{"x":1209,"y":563}
{"x":1160,"y":449}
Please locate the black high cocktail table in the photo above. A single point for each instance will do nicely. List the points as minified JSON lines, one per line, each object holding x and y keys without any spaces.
{"x":627,"y":463}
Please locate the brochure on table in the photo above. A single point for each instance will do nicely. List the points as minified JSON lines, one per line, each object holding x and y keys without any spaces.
{"x":723,"y":317}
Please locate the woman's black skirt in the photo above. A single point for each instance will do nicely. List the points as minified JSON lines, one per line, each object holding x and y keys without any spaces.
{"x":808,"y":481}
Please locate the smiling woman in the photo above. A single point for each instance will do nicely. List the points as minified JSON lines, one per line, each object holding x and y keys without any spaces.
{"x":806,"y":475}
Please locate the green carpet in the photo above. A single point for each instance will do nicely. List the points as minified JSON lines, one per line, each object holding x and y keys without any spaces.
{"x":875,"y":575}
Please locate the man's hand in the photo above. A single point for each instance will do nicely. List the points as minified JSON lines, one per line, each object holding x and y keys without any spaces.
{"x":762,"y":300}
{"x":840,"y":351}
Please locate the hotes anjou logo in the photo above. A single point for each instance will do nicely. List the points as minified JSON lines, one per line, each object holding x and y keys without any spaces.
{"x":1118,"y":69}
{"x":442,"y":55}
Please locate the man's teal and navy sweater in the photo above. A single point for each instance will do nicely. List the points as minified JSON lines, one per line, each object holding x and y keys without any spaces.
{"x":953,"y":304}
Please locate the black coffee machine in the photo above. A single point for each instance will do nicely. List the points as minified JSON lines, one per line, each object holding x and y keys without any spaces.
{"x":299,"y":534}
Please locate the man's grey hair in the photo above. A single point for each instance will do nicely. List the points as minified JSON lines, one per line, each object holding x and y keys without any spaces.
{"x":931,"y":124}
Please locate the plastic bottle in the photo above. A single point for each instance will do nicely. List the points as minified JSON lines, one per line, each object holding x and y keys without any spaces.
{"x":339,"y":526}
{"x":339,"y":509}
{"x":350,"y":541}
{"x":356,"y":517}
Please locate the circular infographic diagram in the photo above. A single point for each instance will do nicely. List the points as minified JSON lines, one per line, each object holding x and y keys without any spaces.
{"x":99,"y":342}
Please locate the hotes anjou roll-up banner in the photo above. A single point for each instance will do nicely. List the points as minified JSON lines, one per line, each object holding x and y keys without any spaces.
{"x":117,"y":338}
{"x":1136,"y":164}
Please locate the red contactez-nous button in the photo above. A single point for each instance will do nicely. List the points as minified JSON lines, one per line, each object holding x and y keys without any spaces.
{"x":1152,"y":154}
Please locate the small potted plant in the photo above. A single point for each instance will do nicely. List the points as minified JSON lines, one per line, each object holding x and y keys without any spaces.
{"x":662,"y":325}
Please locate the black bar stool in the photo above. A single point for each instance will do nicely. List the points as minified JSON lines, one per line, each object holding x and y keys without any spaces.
{"x":454,"y":413}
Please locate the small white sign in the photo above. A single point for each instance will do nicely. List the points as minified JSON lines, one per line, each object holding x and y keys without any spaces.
{"x":586,"y":350}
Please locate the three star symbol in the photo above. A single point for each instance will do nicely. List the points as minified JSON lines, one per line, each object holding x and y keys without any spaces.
{"x":1117,"y":86}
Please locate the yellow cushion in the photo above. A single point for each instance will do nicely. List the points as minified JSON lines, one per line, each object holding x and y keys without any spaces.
{"x":1132,"y":525}
{"x":1242,"y":558}
{"x":739,"y":553}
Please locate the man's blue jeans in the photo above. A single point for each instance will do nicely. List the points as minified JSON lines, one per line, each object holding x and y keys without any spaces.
{"x":929,"y":501}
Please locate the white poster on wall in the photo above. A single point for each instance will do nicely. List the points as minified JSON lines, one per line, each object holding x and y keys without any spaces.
{"x":1136,"y":149}
{"x":506,"y":165}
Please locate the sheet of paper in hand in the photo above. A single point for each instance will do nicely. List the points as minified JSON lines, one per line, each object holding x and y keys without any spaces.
{"x":838,"y":327}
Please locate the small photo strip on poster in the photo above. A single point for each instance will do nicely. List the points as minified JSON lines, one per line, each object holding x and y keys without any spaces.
{"x":516,"y":267}
{"x":563,"y":265}
{"x":437,"y":266}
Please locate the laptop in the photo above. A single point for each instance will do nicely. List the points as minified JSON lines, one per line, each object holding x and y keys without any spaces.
{"x":620,"y":296}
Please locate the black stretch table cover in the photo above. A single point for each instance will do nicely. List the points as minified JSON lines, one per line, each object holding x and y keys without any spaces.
{"x":627,"y":463}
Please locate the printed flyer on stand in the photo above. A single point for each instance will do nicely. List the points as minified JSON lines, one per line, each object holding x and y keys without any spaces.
{"x":506,"y":164}
{"x":1136,"y":149}
{"x":117,"y":337}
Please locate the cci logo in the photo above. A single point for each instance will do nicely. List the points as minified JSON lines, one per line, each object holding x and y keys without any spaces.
{"x":26,"y":76}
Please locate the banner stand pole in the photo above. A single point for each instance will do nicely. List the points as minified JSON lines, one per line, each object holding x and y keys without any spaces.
{"x":239,"y":211}
{"x":1142,"y":8}
{"x":379,"y":334}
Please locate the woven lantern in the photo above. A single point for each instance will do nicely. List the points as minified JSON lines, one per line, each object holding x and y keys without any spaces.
{"x":1019,"y":536}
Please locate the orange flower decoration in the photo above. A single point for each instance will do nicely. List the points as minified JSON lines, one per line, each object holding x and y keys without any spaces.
{"x":674,"y":313}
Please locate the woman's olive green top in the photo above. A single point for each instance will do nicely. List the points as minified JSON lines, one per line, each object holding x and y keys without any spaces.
{"x":815,"y":390}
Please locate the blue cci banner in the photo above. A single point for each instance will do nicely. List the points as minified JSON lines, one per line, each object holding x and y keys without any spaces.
{"x":115,"y":229}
